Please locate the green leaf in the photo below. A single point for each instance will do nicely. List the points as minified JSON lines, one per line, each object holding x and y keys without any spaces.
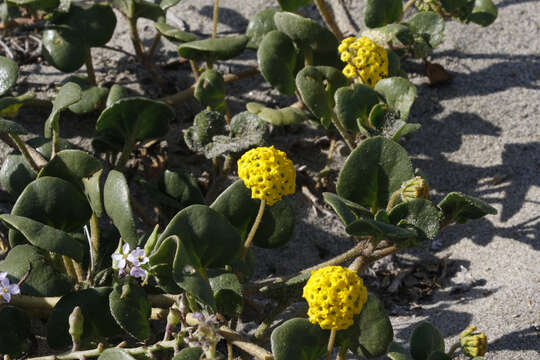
{"x":69,"y":94}
{"x":372,"y":331}
{"x":404,"y":129}
{"x":460,"y":208}
{"x":399,"y":93}
{"x":277,"y":224}
{"x":213,"y":49}
{"x":421,"y":214}
{"x":44,"y":279}
{"x":398,"y":352}
{"x":438,"y":355}
{"x":36,"y":4}
{"x":174,"y":35}
{"x":305,"y":32}
{"x":190,"y":353}
{"x":281,"y":117}
{"x":373,"y":171}
{"x":10,"y":105}
{"x":248,"y":130}
{"x":484,"y":12}
{"x":210,"y":89}
{"x":92,"y":97}
{"x":206,"y":125}
{"x":353,"y":105}
{"x":11,"y":127}
{"x":298,"y":339}
{"x":98,"y":321}
{"x":63,"y":50}
{"x":259,"y":25}
{"x":181,"y":186}
{"x":340,"y":207}
{"x":317,"y":85}
{"x":117,"y":202}
{"x":136,"y":118}
{"x":166,"y":4}
{"x":15,"y":174}
{"x":277,"y":59}
{"x":131,"y":309}
{"x":293,"y":5}
{"x":92,"y":190}
{"x":381,"y":12}
{"x":46,"y":237}
{"x":16,"y":331}
{"x":116,"y":92}
{"x":54,"y":202}
{"x":9,"y":72}
{"x":115,"y":354}
{"x":44,"y":146}
{"x":227,"y":292}
{"x":425,"y":339}
{"x":72,"y":166}
{"x":429,"y":24}
{"x":379,"y":230}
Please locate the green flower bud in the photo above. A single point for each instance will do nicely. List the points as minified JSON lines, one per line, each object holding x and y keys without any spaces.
{"x":473,"y":343}
{"x":414,"y":188}
{"x":174,"y":317}
{"x":76,"y":324}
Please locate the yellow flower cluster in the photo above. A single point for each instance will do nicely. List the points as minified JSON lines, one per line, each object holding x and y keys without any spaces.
{"x":414,"y":188}
{"x":366,"y":60}
{"x":334,"y":295}
{"x":472,"y":343}
{"x":268,"y":173}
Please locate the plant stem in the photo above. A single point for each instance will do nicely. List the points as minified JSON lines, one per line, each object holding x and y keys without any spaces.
{"x":392,"y":200}
{"x":70,"y":269}
{"x":407,"y":5}
{"x":90,"y":67}
{"x":342,"y":354}
{"x":135,"y":39}
{"x":229,"y":351}
{"x":453,"y":349}
{"x":348,"y":139}
{"x":94,"y":241}
{"x":254,"y":228}
{"x":21,"y":146}
{"x":328,"y":18}
{"x":216,"y":13}
{"x":265,"y":324}
{"x":154,"y":46}
{"x":237,"y":340}
{"x":331,"y":342}
{"x":79,"y":272}
{"x":195,"y":70}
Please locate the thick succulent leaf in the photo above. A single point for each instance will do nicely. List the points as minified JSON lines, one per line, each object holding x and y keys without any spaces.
{"x":63,"y":50}
{"x":46,"y":237}
{"x":259,"y":25}
{"x":15,"y":332}
{"x":136,"y":118}
{"x":286,"y":116}
{"x":131,"y":309}
{"x":460,"y":208}
{"x":399,"y":93}
{"x":353,"y":105}
{"x":44,"y":146}
{"x":430,"y":24}
{"x":484,"y":12}
{"x":10,"y":105}
{"x":227,"y":292}
{"x":44,"y":279}
{"x":181,"y":186}
{"x":116,"y":92}
{"x":15,"y":174}
{"x":210,"y":89}
{"x":381,"y":12}
{"x":115,"y":354}
{"x":92,"y":190}
{"x":293,"y":5}
{"x":69,"y":94}
{"x":92,"y":97}
{"x":98,"y":321}
{"x":305,"y":32}
{"x":9,"y":72}
{"x":347,"y":210}
{"x":373,"y":171}
{"x":175,"y":35}
{"x":317,"y":86}
{"x":277,"y":59}
{"x":117,"y":203}
{"x":372,"y":330}
{"x":277,"y":224}
{"x":54,"y":202}
{"x":72,"y":166}
{"x":379,"y":230}
{"x":398,"y":352}
{"x":420,"y":214}
{"x":214,"y":49}
{"x":425,"y":339}
{"x":298,"y":339}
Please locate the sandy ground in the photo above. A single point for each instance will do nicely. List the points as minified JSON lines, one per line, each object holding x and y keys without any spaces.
{"x":480,"y":135}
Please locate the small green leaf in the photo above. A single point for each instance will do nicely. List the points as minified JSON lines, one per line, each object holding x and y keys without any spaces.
{"x":379,"y":230}
{"x":421,"y":214}
{"x":340,"y":207}
{"x":305,"y":32}
{"x":277,"y":58}
{"x":293,"y":5}
{"x":10,"y":105}
{"x":425,"y":339}
{"x":181,"y":186}
{"x":117,"y":202}
{"x":131,"y":309}
{"x":206,"y":125}
{"x":214,"y":49}
{"x":92,"y":97}
{"x":116,"y":92}
{"x":72,"y":166}
{"x":9,"y":72}
{"x":259,"y":25}
{"x":92,"y":190}
{"x":210,"y":89}
{"x":298,"y":339}
{"x":174,"y":35}
{"x":63,"y":50}
{"x":353,"y":105}
{"x":381,"y":12}
{"x":115,"y":354}
{"x":286,"y":116}
{"x":484,"y":12}
{"x":399,"y":93}
{"x":398,"y":352}
{"x":227,"y":292}
{"x":15,"y":174}
{"x":430,"y":24}
{"x":460,"y":208}
{"x":69,"y":94}
{"x":11,"y":127}
{"x":16,"y":331}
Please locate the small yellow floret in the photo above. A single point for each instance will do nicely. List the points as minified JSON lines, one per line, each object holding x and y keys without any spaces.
{"x":369,"y":60}
{"x":334,"y":295}
{"x":268,"y":173}
{"x":349,"y":71}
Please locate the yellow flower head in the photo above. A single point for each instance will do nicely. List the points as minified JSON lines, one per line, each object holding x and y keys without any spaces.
{"x":369,"y":60}
{"x":334,"y":295}
{"x":473,"y":343}
{"x":268,"y":173}
{"x":414,"y":188}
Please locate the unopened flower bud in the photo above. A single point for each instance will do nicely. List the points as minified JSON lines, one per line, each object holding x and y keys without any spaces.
{"x":174,"y":317}
{"x":473,"y":343}
{"x":414,"y":188}
{"x":194,"y":319}
{"x":76,"y":324}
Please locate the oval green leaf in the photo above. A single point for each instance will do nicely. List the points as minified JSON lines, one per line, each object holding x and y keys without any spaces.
{"x":298,"y":339}
{"x":9,"y":72}
{"x":305,"y":31}
{"x":15,"y":174}
{"x":214,"y":49}
{"x":399,"y":93}
{"x":259,"y":25}
{"x":381,"y":12}
{"x":277,"y":61}
{"x":354,"y":104}
{"x":63,"y":50}
{"x":131,"y":309}
{"x":425,"y":339}
{"x":421,"y":214}
{"x":117,"y":202}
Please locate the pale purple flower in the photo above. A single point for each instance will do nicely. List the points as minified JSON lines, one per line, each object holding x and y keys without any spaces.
{"x":7,"y":289}
{"x":138,"y":257}
{"x":137,"y":272}
{"x":121,"y":259}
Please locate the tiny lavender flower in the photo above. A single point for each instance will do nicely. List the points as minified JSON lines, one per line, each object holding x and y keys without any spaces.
{"x":121,"y":259}
{"x":131,"y":261}
{"x":137,"y":257}
{"x":137,"y":272}
{"x":7,"y":289}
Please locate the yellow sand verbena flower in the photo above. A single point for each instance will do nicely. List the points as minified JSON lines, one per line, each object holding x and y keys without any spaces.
{"x":268,"y":173}
{"x":334,"y":295}
{"x":473,"y":343}
{"x":414,"y":188}
{"x":369,"y":60}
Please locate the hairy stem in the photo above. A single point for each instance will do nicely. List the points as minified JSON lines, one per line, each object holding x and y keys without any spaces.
{"x":453,"y":349}
{"x":328,"y":18}
{"x":392,"y":200}
{"x":21,"y":146}
{"x":346,"y":137}
{"x":254,"y":228}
